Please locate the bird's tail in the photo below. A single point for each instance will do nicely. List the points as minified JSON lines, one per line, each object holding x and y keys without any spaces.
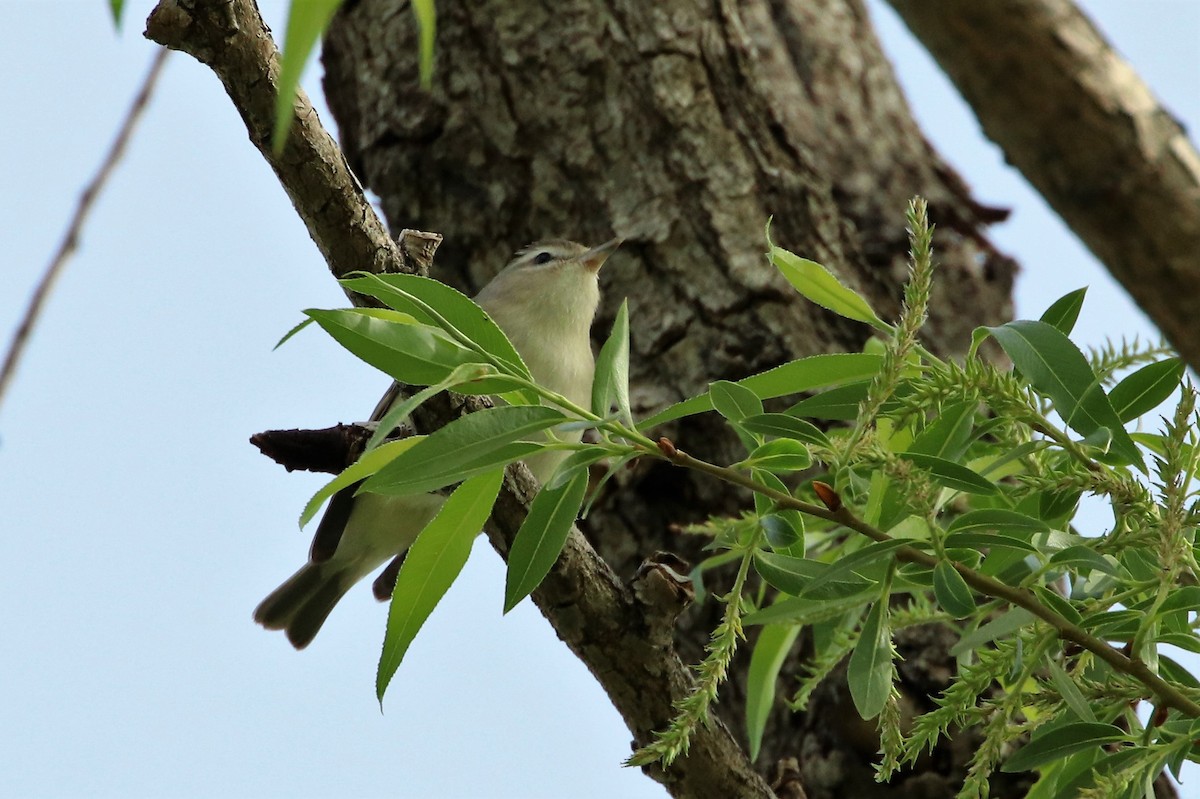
{"x":300,"y":606}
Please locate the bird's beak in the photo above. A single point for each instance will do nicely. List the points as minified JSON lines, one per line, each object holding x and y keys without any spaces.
{"x":594,"y":258}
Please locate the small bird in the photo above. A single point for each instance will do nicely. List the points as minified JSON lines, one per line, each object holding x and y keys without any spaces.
{"x":544,"y":301}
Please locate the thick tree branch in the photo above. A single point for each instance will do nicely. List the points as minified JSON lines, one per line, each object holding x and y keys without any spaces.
{"x":602,"y":620}
{"x":1081,"y":126}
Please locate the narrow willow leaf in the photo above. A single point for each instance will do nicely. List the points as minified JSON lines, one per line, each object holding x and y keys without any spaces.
{"x":771,"y":649}
{"x":793,"y":576}
{"x":438,"y":305}
{"x":117,"y":9}
{"x":1058,"y":603}
{"x":541,"y":537}
{"x":980,"y":541}
{"x":1002,"y":626}
{"x":1064,"y":311}
{"x":306,"y":22}
{"x":817,"y":284}
{"x":473,"y":443}
{"x":780,"y":455}
{"x":611,"y":383}
{"x":1146,"y":389}
{"x":369,"y":463}
{"x":733,"y":401}
{"x":1054,"y":366}
{"x":426,"y":14}
{"x":948,"y":435}
{"x":1083,"y":559}
{"x":999,"y":520}
{"x":1176,"y":673}
{"x":781,"y":425}
{"x":578,"y":461}
{"x":803,"y":610}
{"x":288,"y":335}
{"x":951,"y":591}
{"x":870,"y":670}
{"x":1058,"y":506}
{"x":950,"y":474}
{"x":1061,"y":742}
{"x":431,"y":566}
{"x":780,"y":531}
{"x":396,"y":414}
{"x":395,"y":343}
{"x":804,"y":374}
{"x":1069,"y":691}
{"x":845,"y":567}
{"x":837,"y":404}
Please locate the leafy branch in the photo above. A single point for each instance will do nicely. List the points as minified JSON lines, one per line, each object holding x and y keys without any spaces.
{"x":960,"y":481}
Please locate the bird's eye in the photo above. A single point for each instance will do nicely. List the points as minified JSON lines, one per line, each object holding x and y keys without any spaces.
{"x":542,"y":258}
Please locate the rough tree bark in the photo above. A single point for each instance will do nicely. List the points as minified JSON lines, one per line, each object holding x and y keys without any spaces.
{"x":1087,"y":132}
{"x":681,"y":126}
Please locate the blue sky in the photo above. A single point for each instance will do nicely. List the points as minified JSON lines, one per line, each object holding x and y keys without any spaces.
{"x":142,"y":528}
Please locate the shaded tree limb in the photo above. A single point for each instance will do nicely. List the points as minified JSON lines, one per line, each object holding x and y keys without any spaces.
{"x":70,"y":239}
{"x":601,"y":619}
{"x":1084,"y":129}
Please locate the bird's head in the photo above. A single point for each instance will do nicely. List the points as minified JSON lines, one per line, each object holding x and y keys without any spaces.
{"x":549,"y":288}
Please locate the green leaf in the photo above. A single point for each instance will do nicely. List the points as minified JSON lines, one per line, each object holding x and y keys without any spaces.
{"x":288,"y":335}
{"x":817,"y":284}
{"x":578,"y":461}
{"x":1069,"y":691}
{"x":431,"y":566}
{"x":397,"y":413}
{"x":948,"y":435}
{"x":998,"y":520}
{"x":1062,"y":742}
{"x":781,"y":533}
{"x":611,"y":383}
{"x":870,"y":669}
{"x":1083,"y":559}
{"x":780,"y":455}
{"x":1002,"y":626}
{"x":438,"y":305}
{"x":1058,"y":603}
{"x":541,"y":537}
{"x":367,"y":464}
{"x":1065,"y":310}
{"x":306,"y":22}
{"x":1146,"y":389}
{"x":426,"y":15}
{"x":771,"y":649}
{"x":1055,"y":367}
{"x":805,"y":610}
{"x":979,"y":541}
{"x":471,"y":444}
{"x":782,"y":425}
{"x":848,"y":565}
{"x":838,"y":404}
{"x":395,"y":343}
{"x":733,"y":401}
{"x":951,"y":591}
{"x":793,"y":575}
{"x":117,"y":8}
{"x":950,"y":474}
{"x":804,"y":374}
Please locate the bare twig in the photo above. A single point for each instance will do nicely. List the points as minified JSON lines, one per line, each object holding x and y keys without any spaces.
{"x":70,"y":240}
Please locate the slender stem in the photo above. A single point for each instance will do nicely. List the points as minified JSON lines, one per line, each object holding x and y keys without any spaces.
{"x":70,"y":240}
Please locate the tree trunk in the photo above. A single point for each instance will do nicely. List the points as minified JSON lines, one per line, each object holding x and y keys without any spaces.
{"x":681,"y":127}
